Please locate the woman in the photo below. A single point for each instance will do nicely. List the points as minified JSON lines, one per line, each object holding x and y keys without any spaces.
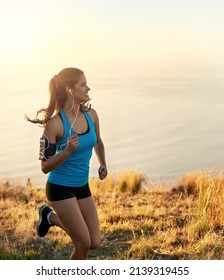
{"x":71,"y":130}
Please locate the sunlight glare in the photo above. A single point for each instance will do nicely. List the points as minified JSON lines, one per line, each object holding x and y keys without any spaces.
{"x":17,"y":31}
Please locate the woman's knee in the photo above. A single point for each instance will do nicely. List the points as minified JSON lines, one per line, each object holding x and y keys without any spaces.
{"x":83,"y":245}
{"x":95,"y":243}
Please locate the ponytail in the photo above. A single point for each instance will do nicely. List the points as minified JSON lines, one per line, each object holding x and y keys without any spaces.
{"x":56,"y":102}
{"x":58,"y":95}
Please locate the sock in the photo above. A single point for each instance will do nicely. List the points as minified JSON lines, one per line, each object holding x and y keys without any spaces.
{"x":48,"y":218}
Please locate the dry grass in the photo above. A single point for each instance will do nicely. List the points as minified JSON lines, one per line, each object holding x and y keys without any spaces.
{"x":138,"y":220}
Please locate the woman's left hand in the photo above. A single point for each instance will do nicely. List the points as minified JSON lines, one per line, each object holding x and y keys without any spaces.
{"x":102,"y":172}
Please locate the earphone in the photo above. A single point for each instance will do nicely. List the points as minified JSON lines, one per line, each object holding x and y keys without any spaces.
{"x":77,"y":112}
{"x":44,"y":140}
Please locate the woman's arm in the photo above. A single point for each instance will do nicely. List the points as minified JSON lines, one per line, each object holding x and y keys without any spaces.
{"x":99,"y":147}
{"x":100,"y":152}
{"x":54,"y":130}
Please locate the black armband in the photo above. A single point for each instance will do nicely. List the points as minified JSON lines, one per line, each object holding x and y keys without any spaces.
{"x":47,"y":149}
{"x":50,"y":151}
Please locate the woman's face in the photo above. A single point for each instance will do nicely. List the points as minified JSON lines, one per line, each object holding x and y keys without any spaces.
{"x":80,"y":90}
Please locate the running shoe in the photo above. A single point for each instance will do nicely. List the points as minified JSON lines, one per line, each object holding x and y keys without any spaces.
{"x":43,"y":224}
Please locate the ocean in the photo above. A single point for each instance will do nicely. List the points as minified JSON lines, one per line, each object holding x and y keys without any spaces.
{"x":164,"y":127}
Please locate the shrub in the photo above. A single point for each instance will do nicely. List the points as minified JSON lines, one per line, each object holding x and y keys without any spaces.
{"x":130,"y":181}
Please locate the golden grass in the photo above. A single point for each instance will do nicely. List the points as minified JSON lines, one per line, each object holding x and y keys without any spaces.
{"x":138,"y":220}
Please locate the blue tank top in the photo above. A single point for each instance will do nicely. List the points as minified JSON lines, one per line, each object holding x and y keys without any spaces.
{"x":74,"y":171}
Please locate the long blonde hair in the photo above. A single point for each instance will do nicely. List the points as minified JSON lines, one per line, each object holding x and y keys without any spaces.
{"x":58,"y":95}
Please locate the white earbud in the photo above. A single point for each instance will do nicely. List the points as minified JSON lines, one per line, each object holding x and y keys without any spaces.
{"x":70,"y":91}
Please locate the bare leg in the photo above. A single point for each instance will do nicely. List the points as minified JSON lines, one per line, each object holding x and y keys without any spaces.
{"x":71,"y":220}
{"x":89,"y":213}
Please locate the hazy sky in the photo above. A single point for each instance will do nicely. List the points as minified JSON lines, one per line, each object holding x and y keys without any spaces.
{"x":106,"y":37}
{"x":110,"y":33}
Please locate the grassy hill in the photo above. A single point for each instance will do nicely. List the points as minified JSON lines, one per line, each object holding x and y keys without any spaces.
{"x":139,"y":219}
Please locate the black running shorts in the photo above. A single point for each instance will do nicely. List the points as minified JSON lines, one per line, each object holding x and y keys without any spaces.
{"x":56,"y":192}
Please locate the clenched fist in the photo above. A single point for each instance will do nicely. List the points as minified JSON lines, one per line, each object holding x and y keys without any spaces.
{"x":72,"y":143}
{"x":102,"y":172}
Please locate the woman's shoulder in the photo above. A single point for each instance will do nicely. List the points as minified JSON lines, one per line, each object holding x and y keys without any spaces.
{"x":93,"y":114}
{"x":54,"y":119}
{"x":54,"y":123}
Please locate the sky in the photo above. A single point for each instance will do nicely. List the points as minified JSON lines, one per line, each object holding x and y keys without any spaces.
{"x":102,"y":37}
{"x":110,"y":34}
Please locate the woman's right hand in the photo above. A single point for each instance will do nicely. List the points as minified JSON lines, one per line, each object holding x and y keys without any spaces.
{"x":72,"y":143}
{"x":55,"y":161}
